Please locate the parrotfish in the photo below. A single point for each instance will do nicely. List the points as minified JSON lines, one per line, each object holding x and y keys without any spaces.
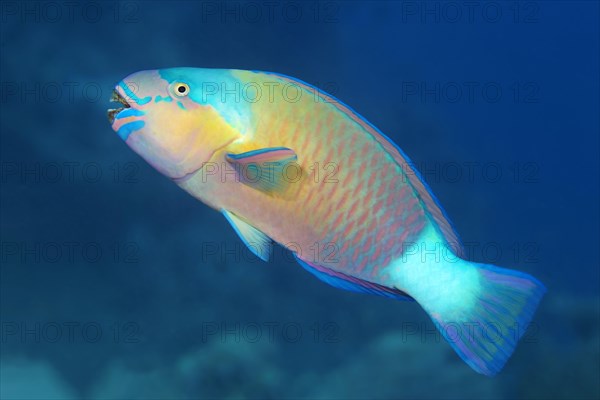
{"x":286,"y":163}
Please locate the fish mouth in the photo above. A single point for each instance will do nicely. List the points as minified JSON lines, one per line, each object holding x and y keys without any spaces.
{"x":116,"y":97}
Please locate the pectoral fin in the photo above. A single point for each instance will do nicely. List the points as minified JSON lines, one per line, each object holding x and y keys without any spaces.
{"x":273,"y":171}
{"x":256,"y":241}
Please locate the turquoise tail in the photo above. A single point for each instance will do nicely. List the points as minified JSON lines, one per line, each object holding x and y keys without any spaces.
{"x":485,"y":334}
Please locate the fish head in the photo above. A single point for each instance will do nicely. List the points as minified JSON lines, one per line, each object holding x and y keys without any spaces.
{"x":163,"y":121}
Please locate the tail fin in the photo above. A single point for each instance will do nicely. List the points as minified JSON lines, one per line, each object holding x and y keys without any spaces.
{"x":485,"y":334}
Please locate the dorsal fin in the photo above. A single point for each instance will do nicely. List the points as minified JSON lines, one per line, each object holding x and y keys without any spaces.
{"x":430,"y":203}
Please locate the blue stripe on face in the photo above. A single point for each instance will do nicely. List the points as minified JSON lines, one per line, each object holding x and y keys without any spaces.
{"x":159,"y":98}
{"x":129,"y":112}
{"x":133,"y":96}
{"x":129,"y":128}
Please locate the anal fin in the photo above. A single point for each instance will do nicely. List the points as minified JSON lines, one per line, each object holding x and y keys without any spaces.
{"x":351,"y":283}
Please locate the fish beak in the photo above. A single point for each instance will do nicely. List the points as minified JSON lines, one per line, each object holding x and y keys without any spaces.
{"x":112,"y":112}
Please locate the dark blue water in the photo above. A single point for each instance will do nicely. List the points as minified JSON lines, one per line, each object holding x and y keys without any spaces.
{"x":117,"y":284}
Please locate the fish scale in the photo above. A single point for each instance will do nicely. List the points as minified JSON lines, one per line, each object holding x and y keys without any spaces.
{"x":361,"y":195}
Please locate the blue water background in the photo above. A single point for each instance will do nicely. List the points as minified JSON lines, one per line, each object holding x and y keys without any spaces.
{"x":153,"y":315}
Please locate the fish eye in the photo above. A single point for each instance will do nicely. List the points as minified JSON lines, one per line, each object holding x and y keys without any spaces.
{"x":181,"y":89}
